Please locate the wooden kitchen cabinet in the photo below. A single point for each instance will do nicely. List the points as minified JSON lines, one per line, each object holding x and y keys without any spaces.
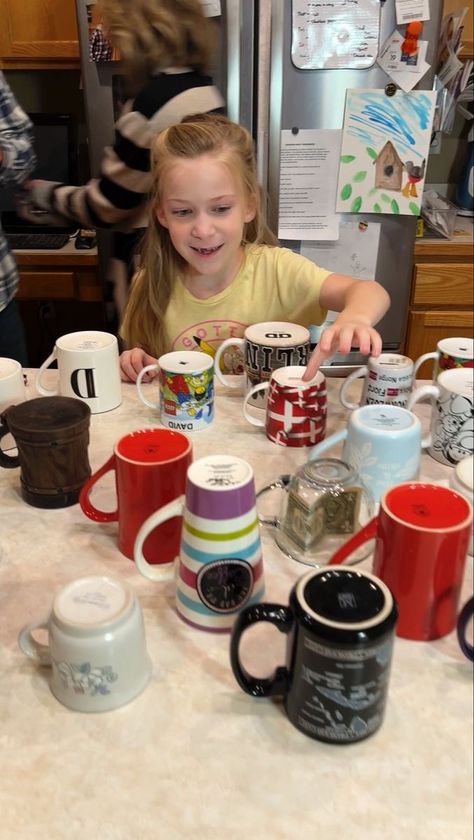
{"x":441,"y":302}
{"x":38,"y":34}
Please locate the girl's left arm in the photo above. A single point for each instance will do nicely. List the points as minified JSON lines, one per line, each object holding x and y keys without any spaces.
{"x":361,"y":304}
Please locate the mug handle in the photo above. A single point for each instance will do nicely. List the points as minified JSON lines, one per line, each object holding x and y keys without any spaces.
{"x":356,"y":374}
{"x":7,"y":461}
{"x":260,"y":386}
{"x":368,"y":532}
{"x":464,"y":616}
{"x":282,"y":618}
{"x":155,"y":571}
{"x":223,"y":379}
{"x":139,"y":386}
{"x":423,"y":358}
{"x":432,"y":392}
{"x":46,"y":392}
{"x":280,"y":484}
{"x":30,"y":647}
{"x":321,"y":447}
{"x":87,"y":507}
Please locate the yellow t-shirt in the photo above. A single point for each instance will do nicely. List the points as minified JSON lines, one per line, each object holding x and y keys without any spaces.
{"x":273,"y":284}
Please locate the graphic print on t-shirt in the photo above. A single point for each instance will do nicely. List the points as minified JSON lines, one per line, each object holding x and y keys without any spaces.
{"x":206,"y":336}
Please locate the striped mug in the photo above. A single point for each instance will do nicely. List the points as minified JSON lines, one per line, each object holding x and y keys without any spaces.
{"x":220,"y":566}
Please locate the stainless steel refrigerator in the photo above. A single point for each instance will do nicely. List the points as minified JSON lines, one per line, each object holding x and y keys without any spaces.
{"x":267,"y":93}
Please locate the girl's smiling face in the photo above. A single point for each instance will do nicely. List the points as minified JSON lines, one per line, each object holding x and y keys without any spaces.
{"x":204,"y":209}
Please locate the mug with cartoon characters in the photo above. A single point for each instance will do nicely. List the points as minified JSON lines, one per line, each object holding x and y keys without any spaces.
{"x":450,"y":353}
{"x":451,"y":435}
{"x":186,"y":396}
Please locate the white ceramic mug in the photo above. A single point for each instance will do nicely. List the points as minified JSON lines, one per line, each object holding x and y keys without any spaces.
{"x":451,"y":435}
{"x":186,"y":390}
{"x":462,"y":481}
{"x":383,"y":444}
{"x":88,"y":365}
{"x":96,"y":645}
{"x":388,"y":380}
{"x":450,"y":353}
{"x":12,"y":385}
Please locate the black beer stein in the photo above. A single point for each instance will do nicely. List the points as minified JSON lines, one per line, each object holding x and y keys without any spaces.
{"x":52,"y":436}
{"x":340,"y":625}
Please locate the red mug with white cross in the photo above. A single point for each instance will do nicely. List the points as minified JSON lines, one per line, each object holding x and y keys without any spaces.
{"x":296,"y":410}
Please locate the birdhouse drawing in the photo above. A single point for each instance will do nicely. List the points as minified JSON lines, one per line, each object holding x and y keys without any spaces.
{"x":388,"y":168}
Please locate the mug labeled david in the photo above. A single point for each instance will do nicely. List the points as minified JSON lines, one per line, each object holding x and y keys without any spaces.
{"x":186,"y":390}
{"x":88,"y":367}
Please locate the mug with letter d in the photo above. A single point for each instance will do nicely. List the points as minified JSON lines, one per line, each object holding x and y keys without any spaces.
{"x":220,"y":566}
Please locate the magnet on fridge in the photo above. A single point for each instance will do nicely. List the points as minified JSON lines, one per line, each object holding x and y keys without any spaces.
{"x":295,"y":130}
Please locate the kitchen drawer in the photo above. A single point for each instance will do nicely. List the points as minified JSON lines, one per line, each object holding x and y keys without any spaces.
{"x":37,"y":285}
{"x":443,"y":284}
{"x":425,"y":329}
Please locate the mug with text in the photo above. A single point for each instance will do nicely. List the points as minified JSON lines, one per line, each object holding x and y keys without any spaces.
{"x":96,"y":646}
{"x":220,"y":567}
{"x":451,"y":435}
{"x":150,"y":468}
{"x":450,"y":353}
{"x":388,"y":379}
{"x":186,"y":381}
{"x":12,"y":385}
{"x":382,"y":443}
{"x":339,"y":625}
{"x":265,"y":347}
{"x":88,"y":367}
{"x":296,"y":410}
{"x":422,"y":533}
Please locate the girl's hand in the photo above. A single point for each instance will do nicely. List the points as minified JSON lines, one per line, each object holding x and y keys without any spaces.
{"x":339,"y":338}
{"x":132,"y":362}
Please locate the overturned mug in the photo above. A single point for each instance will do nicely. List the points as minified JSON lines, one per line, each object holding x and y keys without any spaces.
{"x":96,"y":645}
{"x":388,"y":380}
{"x":12,"y":385}
{"x":88,"y":366}
{"x":52,"y":437}
{"x":296,"y":410}
{"x":324,"y":502}
{"x":465,"y":618}
{"x":450,"y":353}
{"x":422,"y":533}
{"x":220,"y":566}
{"x":186,"y":397}
{"x":340,"y":627}
{"x":451,"y":435}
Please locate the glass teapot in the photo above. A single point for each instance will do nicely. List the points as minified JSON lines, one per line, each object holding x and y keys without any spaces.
{"x":324,"y":502}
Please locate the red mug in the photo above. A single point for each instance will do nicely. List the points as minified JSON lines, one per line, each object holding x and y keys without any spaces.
{"x":150,"y":470}
{"x":422,"y":533}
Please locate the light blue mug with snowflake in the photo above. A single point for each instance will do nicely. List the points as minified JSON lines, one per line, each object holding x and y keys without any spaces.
{"x":382,"y":442}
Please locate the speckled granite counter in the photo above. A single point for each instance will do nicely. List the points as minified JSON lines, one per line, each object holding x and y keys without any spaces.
{"x":194,"y":756}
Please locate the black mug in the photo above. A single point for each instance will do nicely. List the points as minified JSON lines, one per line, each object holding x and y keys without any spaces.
{"x":465,"y":617}
{"x":341,"y":626}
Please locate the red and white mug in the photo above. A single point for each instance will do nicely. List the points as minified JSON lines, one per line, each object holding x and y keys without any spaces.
{"x":422,"y":533}
{"x":296,"y":410}
{"x":150,"y":468}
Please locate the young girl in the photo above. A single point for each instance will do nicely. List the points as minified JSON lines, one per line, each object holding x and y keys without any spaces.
{"x":210,"y":265}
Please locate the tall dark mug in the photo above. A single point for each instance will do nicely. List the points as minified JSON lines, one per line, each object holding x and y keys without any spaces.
{"x":340,"y":626}
{"x":52,"y":436}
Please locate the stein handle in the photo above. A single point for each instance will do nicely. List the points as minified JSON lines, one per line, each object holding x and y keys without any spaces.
{"x":7,"y":461}
{"x":464,"y":616}
{"x":139,"y":386}
{"x":280,"y":484}
{"x":321,"y":447}
{"x":423,"y":358}
{"x":282,"y":618}
{"x":226,"y":380}
{"x":155,"y":571}
{"x":432,"y":392}
{"x":356,"y":374}
{"x":88,"y":508}
{"x":30,"y":647}
{"x":260,"y":386}
{"x":46,"y":392}
{"x":368,"y":532}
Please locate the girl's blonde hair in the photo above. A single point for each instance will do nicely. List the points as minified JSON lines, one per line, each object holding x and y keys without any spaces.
{"x":201,"y":134}
{"x":156,"y":34}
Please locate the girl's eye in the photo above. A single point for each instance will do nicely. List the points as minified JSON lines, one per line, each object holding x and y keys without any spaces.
{"x":222,"y":208}
{"x":181,"y":212}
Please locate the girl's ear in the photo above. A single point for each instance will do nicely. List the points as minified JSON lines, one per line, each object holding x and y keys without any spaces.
{"x":160,"y":215}
{"x":251,"y":208}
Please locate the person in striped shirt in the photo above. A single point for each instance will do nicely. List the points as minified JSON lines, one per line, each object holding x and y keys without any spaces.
{"x":17,"y":160}
{"x":165,"y":47}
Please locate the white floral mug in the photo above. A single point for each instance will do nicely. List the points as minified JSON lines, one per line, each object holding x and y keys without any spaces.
{"x":382,"y":442}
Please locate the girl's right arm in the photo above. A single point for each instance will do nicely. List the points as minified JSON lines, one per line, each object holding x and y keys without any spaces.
{"x":132,"y":362}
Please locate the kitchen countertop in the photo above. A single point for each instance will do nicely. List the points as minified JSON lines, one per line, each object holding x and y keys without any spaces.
{"x":460,"y":245}
{"x":193,"y":756}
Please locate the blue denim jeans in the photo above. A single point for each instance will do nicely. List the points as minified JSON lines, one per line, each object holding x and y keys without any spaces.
{"x":12,"y":334}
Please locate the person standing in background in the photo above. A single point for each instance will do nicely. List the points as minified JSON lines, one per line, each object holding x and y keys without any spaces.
{"x":165,"y":48}
{"x":17,"y":160}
